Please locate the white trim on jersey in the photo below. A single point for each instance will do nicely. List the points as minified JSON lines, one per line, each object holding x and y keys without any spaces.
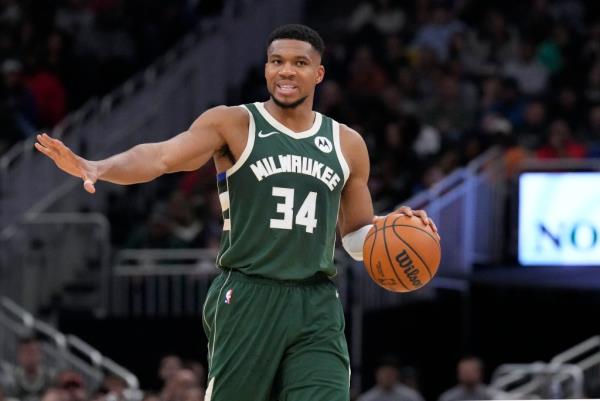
{"x":285,"y":130}
{"x":249,"y":145}
{"x":227,"y":222}
{"x":338,"y":150}
{"x":209,"y":390}
{"x":224,"y":199}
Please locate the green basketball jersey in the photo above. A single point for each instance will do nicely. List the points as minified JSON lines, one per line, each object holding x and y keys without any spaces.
{"x":281,"y":199}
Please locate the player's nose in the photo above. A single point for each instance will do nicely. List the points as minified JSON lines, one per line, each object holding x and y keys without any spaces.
{"x":287,"y":70}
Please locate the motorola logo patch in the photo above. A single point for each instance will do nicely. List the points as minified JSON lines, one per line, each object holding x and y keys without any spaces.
{"x":323,"y":144}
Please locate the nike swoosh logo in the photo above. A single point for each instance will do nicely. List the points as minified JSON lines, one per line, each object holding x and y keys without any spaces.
{"x":261,"y":135}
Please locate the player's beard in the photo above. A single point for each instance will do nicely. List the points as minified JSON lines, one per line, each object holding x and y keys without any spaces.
{"x":292,"y":105}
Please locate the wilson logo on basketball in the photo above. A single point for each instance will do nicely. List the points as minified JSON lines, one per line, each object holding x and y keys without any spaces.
{"x":410,"y":271}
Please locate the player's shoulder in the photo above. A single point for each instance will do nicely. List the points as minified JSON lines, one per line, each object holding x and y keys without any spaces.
{"x":222,"y":111}
{"x":350,"y":137}
{"x":224,"y":118}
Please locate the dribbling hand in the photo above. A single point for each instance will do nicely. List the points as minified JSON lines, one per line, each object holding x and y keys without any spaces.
{"x":417,"y":213}
{"x":68,"y":161}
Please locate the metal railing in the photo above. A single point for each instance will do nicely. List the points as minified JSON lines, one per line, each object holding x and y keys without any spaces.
{"x":468,"y":208}
{"x":574,"y":373}
{"x":152,"y":106}
{"x":44,"y":251}
{"x":155,"y":104}
{"x":60,"y":351}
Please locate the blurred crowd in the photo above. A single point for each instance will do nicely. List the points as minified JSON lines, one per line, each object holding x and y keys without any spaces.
{"x":430,"y":84}
{"x":33,"y":378}
{"x":54,"y":55}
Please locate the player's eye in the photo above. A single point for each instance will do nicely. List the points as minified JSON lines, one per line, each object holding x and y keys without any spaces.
{"x":301,"y":63}
{"x":276,"y":62}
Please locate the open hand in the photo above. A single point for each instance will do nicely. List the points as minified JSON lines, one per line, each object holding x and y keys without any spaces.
{"x":422,"y":214}
{"x":68,"y":161}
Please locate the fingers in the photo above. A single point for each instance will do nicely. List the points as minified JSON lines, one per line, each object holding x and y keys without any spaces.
{"x":421,"y":214}
{"x":51,"y":143}
{"x":47,"y":151}
{"x":89,"y":186}
{"x":434,"y":229}
{"x":405,"y":210}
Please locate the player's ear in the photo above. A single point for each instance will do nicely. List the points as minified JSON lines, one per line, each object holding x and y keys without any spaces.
{"x":320,"y":74}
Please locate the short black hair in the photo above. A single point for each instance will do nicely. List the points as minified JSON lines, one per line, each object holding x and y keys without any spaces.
{"x":298,"y":32}
{"x":28,"y":339}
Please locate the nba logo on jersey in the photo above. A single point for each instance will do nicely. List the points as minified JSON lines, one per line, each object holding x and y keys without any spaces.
{"x":228,"y":295}
{"x":323,"y":144}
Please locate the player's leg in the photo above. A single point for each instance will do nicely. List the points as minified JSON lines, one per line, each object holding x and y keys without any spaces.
{"x":245,"y":340}
{"x":316,"y":366}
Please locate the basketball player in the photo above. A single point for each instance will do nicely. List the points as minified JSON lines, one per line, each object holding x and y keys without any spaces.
{"x":287,"y":176}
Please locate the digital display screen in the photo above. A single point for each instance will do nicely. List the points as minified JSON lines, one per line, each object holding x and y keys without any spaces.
{"x":559,"y":219}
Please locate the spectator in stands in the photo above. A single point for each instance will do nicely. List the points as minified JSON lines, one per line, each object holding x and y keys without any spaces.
{"x":590,"y":51}
{"x":156,"y":233}
{"x":533,"y":130}
{"x":383,"y":15}
{"x":510,"y":104}
{"x":591,"y":90}
{"x":560,"y":143}
{"x":49,"y":94}
{"x":408,"y":376}
{"x":490,"y":45}
{"x":470,"y":382}
{"x":388,"y":386}
{"x":193,"y":394}
{"x":437,"y":33}
{"x":55,"y":394}
{"x":529,"y":73}
{"x":593,"y":132}
{"x":74,"y":17}
{"x":114,"y":387}
{"x":567,"y":106}
{"x":182,"y":381}
{"x":199,"y":370}
{"x":367,"y":77}
{"x":73,"y":385}
{"x":450,"y":111}
{"x":149,"y":396}
{"x":169,"y":365}
{"x":31,"y":377}
{"x":332,"y":102}
{"x":18,"y":112}
{"x":4,"y":397}
{"x":185,"y":227}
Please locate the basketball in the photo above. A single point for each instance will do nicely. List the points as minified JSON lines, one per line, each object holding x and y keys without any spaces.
{"x":401,"y":253}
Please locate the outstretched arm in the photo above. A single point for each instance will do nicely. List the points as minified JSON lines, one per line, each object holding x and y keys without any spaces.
{"x":187,"y":151}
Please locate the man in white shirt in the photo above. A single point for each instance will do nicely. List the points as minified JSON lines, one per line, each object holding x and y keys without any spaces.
{"x":388,"y":386}
{"x":470,"y":385}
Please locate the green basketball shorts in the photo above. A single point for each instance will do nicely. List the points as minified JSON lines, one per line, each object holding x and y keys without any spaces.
{"x":275,"y":340}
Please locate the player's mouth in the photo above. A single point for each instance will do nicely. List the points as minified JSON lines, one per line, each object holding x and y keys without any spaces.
{"x":286,"y":89}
